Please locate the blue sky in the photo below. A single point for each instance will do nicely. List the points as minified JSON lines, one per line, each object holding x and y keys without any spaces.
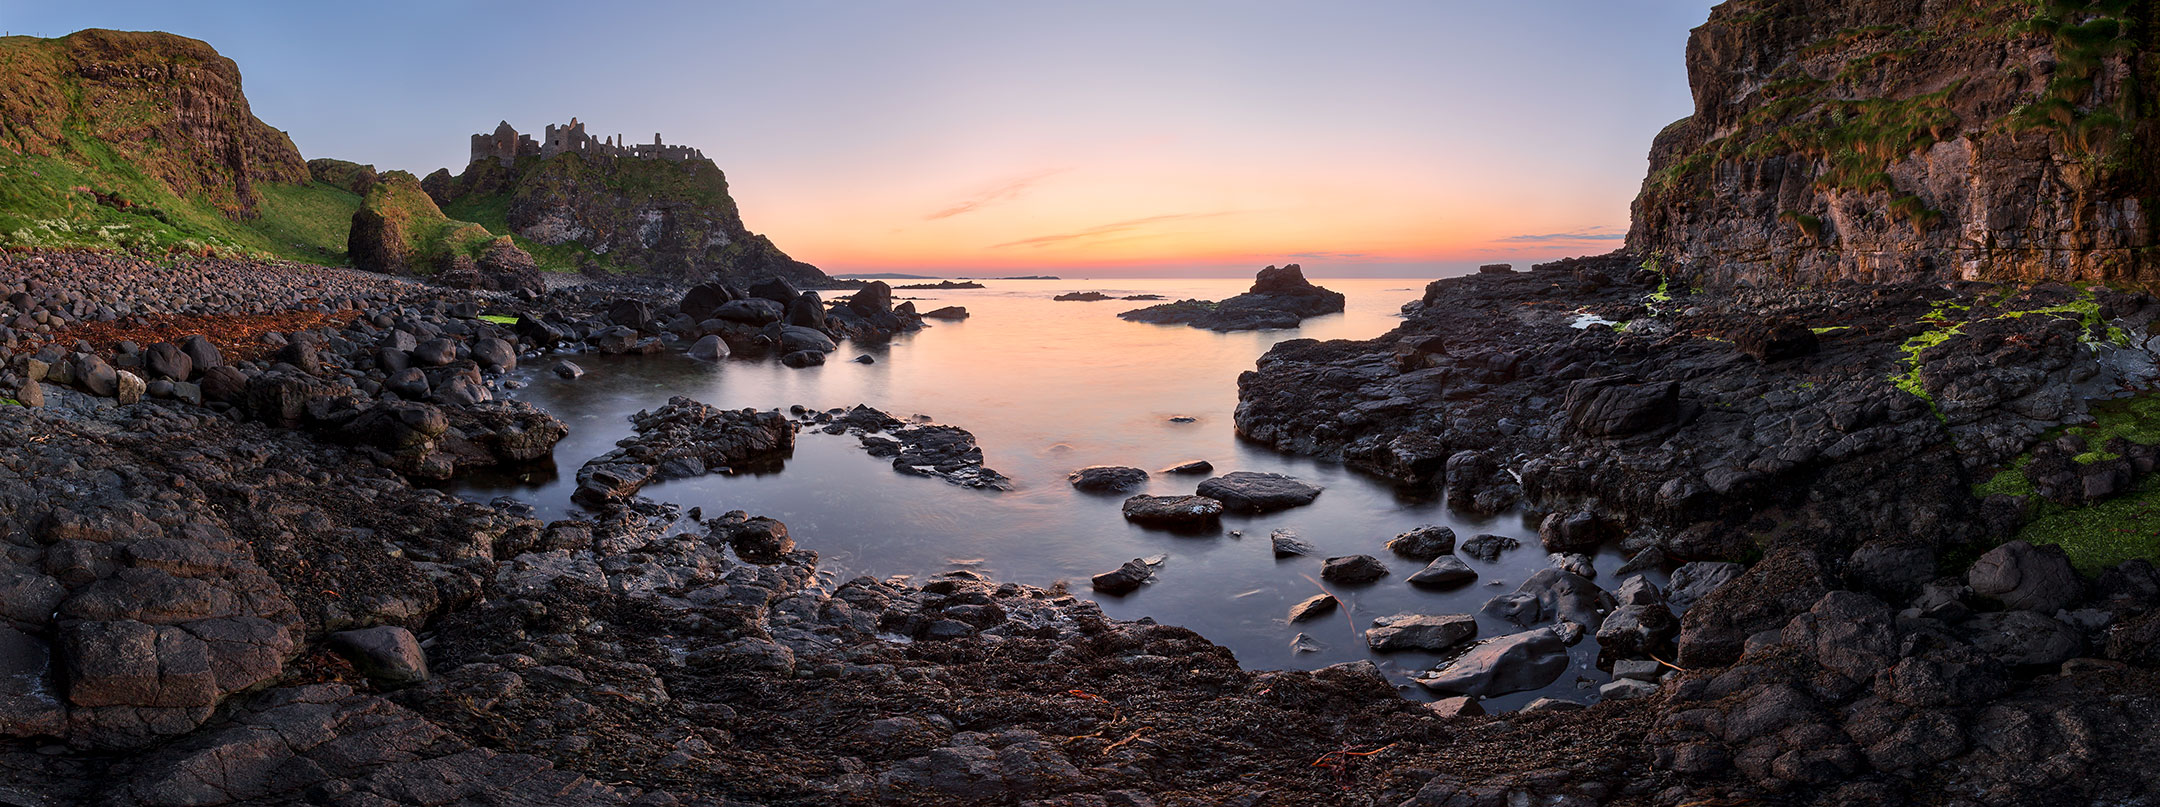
{"x":1138,"y":137}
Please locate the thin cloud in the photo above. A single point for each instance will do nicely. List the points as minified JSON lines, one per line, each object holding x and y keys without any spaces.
{"x":1102,"y":231}
{"x":1002,"y":193}
{"x":1590,"y":234}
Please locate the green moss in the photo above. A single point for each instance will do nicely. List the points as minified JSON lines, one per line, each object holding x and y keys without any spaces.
{"x":499,"y":319}
{"x":1830,"y":330}
{"x":10,"y":402}
{"x":2101,"y":535}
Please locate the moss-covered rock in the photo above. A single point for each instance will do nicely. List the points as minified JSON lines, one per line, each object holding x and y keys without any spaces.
{"x":399,"y":230}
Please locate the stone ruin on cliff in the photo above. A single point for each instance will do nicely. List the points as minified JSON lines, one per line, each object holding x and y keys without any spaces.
{"x":505,"y":145}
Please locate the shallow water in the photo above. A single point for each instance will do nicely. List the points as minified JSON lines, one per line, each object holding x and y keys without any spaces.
{"x":1047,"y":387}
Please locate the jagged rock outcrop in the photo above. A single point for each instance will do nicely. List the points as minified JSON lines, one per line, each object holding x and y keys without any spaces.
{"x":202,"y":141}
{"x":1893,"y":140}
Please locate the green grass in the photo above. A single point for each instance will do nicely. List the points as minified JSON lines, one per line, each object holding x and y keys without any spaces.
{"x":499,"y":319}
{"x":53,"y":202}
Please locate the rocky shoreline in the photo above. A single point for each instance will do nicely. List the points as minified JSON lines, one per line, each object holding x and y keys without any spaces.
{"x":190,"y":622}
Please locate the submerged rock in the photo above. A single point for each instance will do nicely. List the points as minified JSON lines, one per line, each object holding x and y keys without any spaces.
{"x":1423,"y":632}
{"x":1504,"y":664}
{"x":1107,"y":478}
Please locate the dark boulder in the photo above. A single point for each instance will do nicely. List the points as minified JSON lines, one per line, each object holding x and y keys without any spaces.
{"x":1443,"y":572}
{"x":1498,"y":666}
{"x":1124,"y":579}
{"x":1431,"y":634}
{"x":1353,"y":569}
{"x":388,"y":655}
{"x":1254,"y":492}
{"x":1107,"y":478}
{"x":1424,"y":543}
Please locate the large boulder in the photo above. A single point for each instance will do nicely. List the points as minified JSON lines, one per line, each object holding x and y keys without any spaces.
{"x":1498,"y":666}
{"x":754,"y":311}
{"x":1255,"y":492}
{"x":388,"y":655}
{"x":167,"y":360}
{"x":2023,"y":576}
{"x":703,"y":299}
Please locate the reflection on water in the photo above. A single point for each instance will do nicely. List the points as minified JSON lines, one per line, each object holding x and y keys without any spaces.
{"x":1048,"y":387}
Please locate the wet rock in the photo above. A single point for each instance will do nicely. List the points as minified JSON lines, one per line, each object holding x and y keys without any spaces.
{"x":1431,"y":634}
{"x":1487,"y":547}
{"x":1194,"y":467}
{"x":1107,"y":478}
{"x":1353,"y":569}
{"x":1286,"y":544}
{"x":2020,"y":575}
{"x":803,"y":358}
{"x":1443,"y":572}
{"x":568,"y":369}
{"x":1254,"y":492}
{"x":1501,"y":665}
{"x":950,"y":312}
{"x":1573,"y":562}
{"x":1552,"y":594}
{"x":1424,"y":543}
{"x":387,"y":655}
{"x":757,"y":539}
{"x":1313,"y":607}
{"x":1124,"y":579}
{"x":709,"y":348}
{"x":1172,"y":511}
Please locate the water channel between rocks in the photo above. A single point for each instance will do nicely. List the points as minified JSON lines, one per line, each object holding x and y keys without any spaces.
{"x":1048,"y":387}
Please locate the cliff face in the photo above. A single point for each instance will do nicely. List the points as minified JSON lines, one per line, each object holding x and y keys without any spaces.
{"x":168,"y":105}
{"x":673,"y":218}
{"x":1880,"y":140}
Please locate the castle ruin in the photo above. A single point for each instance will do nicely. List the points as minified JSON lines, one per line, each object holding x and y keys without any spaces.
{"x":505,"y":145}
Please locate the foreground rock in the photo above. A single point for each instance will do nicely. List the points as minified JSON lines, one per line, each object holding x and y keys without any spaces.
{"x":1107,"y":479}
{"x":1279,"y":298}
{"x":684,"y":439}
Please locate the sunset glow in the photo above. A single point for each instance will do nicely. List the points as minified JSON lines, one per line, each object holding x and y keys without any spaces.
{"x":1389,"y":138}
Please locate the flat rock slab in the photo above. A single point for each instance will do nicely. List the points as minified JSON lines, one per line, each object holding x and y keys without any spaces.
{"x":1498,"y":666}
{"x":1420,"y":632}
{"x":1255,"y":492}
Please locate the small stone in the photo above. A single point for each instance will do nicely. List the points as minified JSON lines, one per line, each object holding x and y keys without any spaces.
{"x":128,"y":387}
{"x":1442,"y":572}
{"x":1458,"y":706}
{"x":1313,"y":607}
{"x":1620,"y":689}
{"x":1287,"y":544}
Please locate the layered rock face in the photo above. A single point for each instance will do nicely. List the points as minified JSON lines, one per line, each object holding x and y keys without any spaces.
{"x":168,"y":104}
{"x":1889,"y":140}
